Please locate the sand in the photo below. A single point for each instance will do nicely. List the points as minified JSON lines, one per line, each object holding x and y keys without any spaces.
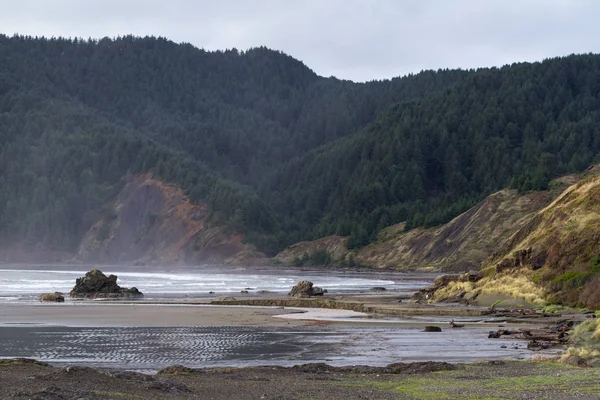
{"x":140,"y":315}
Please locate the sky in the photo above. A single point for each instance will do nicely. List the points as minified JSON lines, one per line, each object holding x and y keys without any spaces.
{"x":359,"y":40}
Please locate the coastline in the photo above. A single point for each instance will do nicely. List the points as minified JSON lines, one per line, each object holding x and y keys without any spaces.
{"x":493,"y":378}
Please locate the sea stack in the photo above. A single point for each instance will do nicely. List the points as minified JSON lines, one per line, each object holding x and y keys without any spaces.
{"x":97,"y":285}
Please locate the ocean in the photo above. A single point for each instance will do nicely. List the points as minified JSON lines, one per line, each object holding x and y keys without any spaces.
{"x":20,"y":283}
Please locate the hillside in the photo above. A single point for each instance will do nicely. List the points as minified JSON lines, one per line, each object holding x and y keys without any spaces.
{"x":459,"y":245}
{"x":426,"y":161}
{"x":154,"y":223}
{"x":77,"y":116}
{"x":554,"y":258}
{"x":276,"y":153}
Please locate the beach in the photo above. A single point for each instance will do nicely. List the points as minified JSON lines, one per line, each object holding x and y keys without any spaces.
{"x":139,"y":315}
{"x":346,"y":344}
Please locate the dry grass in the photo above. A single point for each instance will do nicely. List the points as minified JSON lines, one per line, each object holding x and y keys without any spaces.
{"x":517,"y":286}
{"x":452,"y":289}
{"x":585,"y":343}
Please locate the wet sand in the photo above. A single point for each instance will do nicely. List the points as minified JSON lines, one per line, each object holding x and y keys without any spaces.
{"x":140,"y":315}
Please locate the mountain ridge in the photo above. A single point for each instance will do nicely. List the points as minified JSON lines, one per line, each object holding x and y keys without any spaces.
{"x":277,"y":153}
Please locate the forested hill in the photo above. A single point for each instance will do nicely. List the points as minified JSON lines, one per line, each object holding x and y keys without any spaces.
{"x":77,"y":116}
{"x":427,"y":160}
{"x":277,"y":152}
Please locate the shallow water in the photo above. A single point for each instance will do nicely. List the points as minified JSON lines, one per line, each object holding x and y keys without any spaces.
{"x":149,"y":349}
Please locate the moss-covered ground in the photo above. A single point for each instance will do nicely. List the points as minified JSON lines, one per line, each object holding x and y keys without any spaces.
{"x":509,"y":380}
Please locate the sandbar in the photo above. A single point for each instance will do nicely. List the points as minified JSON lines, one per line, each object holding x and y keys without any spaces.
{"x":140,"y":315}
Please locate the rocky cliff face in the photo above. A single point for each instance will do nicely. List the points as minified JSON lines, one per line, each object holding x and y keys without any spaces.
{"x":155,"y":223}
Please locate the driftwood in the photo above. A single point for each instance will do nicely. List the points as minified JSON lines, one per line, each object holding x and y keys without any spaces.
{"x":541,"y":337}
{"x":455,"y":325}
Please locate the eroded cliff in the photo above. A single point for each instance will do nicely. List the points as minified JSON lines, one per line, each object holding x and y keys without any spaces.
{"x":155,"y":223}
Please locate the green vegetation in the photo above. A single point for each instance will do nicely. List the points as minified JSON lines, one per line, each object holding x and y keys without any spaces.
{"x":574,"y":279}
{"x":317,"y":258}
{"x":276,"y":152}
{"x":585,"y":343}
{"x":479,"y":381}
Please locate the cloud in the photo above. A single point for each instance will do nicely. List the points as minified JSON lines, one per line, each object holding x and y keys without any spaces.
{"x":351,"y":39}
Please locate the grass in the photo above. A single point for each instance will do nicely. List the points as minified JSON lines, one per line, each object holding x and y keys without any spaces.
{"x":519,"y":287}
{"x":482,"y":381}
{"x":573,"y":279}
{"x":585,"y":342}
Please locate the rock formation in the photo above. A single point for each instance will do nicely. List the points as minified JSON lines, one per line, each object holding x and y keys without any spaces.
{"x":97,"y":285}
{"x":306,"y":289}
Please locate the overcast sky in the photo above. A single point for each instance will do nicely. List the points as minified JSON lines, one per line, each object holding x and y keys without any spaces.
{"x":351,"y":39}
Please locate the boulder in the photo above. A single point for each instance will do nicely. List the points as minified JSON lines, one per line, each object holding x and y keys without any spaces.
{"x":54,"y":297}
{"x":97,"y":285}
{"x":306,"y":289}
{"x":430,"y":328}
{"x":378,"y":289}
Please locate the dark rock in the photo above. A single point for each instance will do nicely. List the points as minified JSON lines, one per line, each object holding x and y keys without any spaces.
{"x":211,"y":292}
{"x":56,"y":297}
{"x":243,"y":291}
{"x":430,"y":328}
{"x":378,"y":289}
{"x":97,"y":285}
{"x":317,"y":291}
{"x":306,"y":289}
{"x":474,"y":276}
{"x":444,"y":280}
{"x":494,"y":335}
